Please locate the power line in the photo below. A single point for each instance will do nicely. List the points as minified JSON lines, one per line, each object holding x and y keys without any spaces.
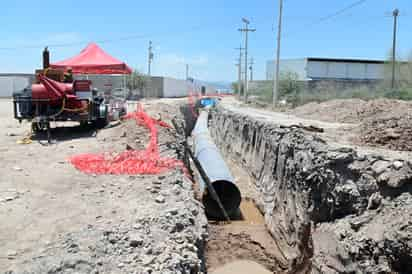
{"x":339,"y":12}
{"x":331,"y":16}
{"x":102,"y":41}
{"x":279,"y":36}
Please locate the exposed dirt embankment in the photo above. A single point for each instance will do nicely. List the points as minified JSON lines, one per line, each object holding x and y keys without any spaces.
{"x":331,"y":210}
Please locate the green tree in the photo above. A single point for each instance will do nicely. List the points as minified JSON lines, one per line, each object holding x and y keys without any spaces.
{"x":235,"y":87}
{"x":290,"y":87}
{"x":403,"y":79}
{"x":136,"y":82}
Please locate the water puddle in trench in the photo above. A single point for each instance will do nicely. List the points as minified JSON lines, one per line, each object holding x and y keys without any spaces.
{"x":242,"y":246}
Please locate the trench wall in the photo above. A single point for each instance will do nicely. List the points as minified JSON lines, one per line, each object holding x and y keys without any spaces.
{"x":304,"y":183}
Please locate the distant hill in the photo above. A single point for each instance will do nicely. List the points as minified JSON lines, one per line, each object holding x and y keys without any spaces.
{"x":217,"y":84}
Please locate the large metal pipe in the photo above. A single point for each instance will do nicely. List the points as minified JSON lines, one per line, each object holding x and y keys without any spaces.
{"x":216,"y":169}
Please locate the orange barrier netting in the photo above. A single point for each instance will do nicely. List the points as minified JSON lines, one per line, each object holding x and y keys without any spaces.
{"x":130,"y":162}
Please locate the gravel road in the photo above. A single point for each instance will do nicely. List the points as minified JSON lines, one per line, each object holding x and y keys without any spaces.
{"x":56,"y":219}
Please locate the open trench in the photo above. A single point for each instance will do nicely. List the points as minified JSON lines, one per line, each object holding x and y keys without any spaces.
{"x":243,"y":245}
{"x":308,"y":206}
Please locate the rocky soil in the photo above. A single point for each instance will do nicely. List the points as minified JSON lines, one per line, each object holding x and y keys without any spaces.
{"x":388,"y":131}
{"x":56,"y":219}
{"x":330,"y":209}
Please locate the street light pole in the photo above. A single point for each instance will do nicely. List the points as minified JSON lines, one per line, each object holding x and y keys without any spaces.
{"x":276,"y":74}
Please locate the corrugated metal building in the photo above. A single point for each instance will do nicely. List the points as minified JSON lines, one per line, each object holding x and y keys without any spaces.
{"x":165,"y":87}
{"x":330,"y":69}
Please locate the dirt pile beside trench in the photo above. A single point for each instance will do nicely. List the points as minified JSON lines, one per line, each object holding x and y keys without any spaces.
{"x":382,"y":123}
{"x":352,"y":110}
{"x":391,"y":131}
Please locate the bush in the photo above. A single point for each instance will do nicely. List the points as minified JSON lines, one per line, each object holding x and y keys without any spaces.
{"x":400,"y":94}
{"x":289,"y":89}
{"x":297,"y":92}
{"x":135,"y":83}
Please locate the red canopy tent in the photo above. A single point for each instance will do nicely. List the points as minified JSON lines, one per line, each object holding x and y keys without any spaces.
{"x":93,"y":60}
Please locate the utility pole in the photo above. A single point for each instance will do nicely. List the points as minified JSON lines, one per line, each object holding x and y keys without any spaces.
{"x":276,"y":73}
{"x":238,"y":69}
{"x":150,"y":58}
{"x":395,"y":26}
{"x":246,"y":30}
{"x":239,"y":65}
{"x":187,"y":71}
{"x":251,"y":69}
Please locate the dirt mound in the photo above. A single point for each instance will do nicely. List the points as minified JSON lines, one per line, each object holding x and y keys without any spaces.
{"x":383,"y":122}
{"x":388,"y":131}
{"x":351,"y":110}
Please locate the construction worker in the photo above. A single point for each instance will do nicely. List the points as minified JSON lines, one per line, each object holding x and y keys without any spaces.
{"x":68,"y":76}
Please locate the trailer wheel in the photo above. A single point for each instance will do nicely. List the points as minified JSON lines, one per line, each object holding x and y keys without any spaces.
{"x":103,"y":117}
{"x":84,"y":124}
{"x":101,"y":123}
{"x":35,"y":127}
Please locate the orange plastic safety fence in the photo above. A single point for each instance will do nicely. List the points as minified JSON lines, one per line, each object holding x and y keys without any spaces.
{"x":130,"y":162}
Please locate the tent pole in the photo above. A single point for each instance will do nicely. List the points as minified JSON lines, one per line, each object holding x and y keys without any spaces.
{"x":124,"y":86}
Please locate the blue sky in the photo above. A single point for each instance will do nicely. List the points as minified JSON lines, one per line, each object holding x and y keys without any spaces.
{"x":202,"y":33}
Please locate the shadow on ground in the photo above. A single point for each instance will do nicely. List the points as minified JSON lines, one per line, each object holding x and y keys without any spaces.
{"x":67,"y":133}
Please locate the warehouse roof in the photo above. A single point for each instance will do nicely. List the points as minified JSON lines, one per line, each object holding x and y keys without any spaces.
{"x":345,"y":60}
